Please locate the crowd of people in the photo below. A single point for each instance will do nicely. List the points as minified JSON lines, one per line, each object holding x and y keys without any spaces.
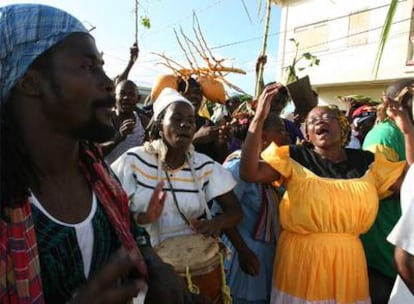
{"x":314,"y":210}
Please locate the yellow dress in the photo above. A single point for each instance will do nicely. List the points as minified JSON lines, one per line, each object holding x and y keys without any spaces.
{"x":320,"y":258}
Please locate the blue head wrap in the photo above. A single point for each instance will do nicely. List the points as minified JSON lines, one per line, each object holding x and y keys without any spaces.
{"x":27,"y":31}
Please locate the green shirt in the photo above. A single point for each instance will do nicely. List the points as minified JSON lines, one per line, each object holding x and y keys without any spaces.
{"x":387,"y":138}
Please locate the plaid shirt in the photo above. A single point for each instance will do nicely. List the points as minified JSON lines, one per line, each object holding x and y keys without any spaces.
{"x":20,"y":279}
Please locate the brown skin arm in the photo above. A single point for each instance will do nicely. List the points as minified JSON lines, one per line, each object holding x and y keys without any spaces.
{"x":132,"y":58}
{"x":252,"y":169}
{"x":404,"y":263}
{"x":231,"y":216}
{"x":248,"y":261}
{"x":401,"y":118}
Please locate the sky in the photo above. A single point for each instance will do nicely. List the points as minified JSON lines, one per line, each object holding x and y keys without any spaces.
{"x":230,"y":32}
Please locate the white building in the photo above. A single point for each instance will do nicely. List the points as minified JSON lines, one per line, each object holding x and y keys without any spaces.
{"x":344,"y":35}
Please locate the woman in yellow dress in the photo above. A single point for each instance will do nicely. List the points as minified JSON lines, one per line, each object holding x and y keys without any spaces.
{"x":331,"y":198}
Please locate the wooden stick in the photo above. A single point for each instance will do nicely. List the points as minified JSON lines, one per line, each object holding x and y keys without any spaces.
{"x":189,"y":43}
{"x":183,"y":49}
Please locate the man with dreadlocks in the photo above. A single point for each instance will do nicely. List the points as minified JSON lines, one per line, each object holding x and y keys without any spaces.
{"x":63,"y":215}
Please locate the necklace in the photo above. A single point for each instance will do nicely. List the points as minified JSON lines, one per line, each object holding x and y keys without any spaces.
{"x":165,"y":165}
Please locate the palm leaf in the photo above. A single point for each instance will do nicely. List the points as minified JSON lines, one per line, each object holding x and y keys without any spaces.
{"x":384,"y":35}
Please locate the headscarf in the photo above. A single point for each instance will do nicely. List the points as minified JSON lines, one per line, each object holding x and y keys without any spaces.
{"x":26,"y":32}
{"x":166,"y":98}
{"x":363,"y":113}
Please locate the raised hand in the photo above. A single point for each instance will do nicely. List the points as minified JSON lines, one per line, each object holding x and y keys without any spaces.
{"x":155,"y":206}
{"x":133,"y":52}
{"x":265,"y":99}
{"x":399,"y":114}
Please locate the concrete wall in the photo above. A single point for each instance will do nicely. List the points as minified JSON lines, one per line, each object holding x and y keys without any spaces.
{"x":344,"y":35}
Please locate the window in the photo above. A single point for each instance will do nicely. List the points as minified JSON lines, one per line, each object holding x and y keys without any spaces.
{"x":358,"y":28}
{"x":312,"y":38}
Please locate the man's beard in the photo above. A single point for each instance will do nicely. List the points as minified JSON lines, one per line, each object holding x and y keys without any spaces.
{"x":93,"y":130}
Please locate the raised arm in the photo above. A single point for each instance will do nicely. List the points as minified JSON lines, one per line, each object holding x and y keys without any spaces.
{"x":401,"y":118}
{"x":252,"y":169}
{"x":132,"y":58}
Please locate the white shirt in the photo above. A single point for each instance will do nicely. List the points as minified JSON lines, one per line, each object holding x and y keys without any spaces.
{"x":403,"y":236}
{"x":139,"y":173}
{"x":84,"y":231}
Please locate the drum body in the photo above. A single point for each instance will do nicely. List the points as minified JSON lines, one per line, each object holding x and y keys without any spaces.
{"x":199,"y":261}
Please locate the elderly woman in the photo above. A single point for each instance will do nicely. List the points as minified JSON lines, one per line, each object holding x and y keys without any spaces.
{"x":190,"y":179}
{"x":331,"y":198}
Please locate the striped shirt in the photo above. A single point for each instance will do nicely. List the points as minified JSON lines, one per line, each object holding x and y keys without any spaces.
{"x":139,"y":173}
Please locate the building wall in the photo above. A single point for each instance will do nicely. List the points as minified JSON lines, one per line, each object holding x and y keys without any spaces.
{"x":344,"y":35}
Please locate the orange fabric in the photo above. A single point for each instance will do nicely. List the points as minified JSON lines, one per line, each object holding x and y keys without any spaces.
{"x":319,"y":254}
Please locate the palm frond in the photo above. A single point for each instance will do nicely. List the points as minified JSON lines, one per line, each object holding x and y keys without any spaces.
{"x":384,"y":36}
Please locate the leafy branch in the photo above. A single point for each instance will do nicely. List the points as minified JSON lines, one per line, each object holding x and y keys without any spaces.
{"x":293,"y":69}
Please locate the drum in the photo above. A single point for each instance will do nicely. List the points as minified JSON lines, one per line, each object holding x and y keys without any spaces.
{"x":199,"y":260}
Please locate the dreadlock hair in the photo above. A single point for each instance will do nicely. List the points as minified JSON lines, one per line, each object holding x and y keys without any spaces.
{"x":17,"y":170}
{"x":343,"y":123}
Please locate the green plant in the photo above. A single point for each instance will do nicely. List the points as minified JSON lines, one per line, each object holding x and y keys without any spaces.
{"x":384,"y":35}
{"x":145,"y":21}
{"x":293,"y":69}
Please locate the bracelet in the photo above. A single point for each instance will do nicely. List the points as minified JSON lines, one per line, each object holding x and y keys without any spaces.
{"x":142,"y":237}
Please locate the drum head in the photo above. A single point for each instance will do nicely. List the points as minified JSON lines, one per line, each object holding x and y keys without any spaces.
{"x":193,"y":251}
